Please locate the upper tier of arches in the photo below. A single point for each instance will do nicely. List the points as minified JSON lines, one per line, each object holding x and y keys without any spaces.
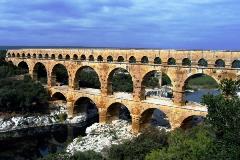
{"x":203,"y":61}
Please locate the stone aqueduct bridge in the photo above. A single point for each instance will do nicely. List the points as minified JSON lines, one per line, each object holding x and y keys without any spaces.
{"x":218,"y":64}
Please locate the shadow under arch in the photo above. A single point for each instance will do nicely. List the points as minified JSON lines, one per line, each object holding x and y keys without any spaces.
{"x":23,"y":67}
{"x":84,"y":106}
{"x":192,"y":121}
{"x":119,"y":80}
{"x":199,"y":84}
{"x":86,"y":77}
{"x":118,"y":111}
{"x":153,"y":117}
{"x":40,"y":73}
{"x":59,"y":75}
{"x":58,"y":96}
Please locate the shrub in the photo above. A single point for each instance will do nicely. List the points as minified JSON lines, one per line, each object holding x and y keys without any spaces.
{"x":196,"y":143}
{"x":139,"y":146}
{"x":87,"y":155}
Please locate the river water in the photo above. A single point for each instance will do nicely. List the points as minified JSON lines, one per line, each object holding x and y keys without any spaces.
{"x":196,"y":96}
{"x":37,"y":142}
{"x":33,"y":143}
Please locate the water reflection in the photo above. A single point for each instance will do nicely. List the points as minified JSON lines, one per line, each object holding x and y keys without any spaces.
{"x":49,"y":139}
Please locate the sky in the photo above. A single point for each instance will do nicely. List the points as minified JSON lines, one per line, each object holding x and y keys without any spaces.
{"x":164,"y":24}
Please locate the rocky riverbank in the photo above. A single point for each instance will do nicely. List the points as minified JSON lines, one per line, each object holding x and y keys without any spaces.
{"x":102,"y":136}
{"x":26,"y":121}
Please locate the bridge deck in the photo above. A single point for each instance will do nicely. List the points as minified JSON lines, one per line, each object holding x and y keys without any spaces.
{"x":129,"y":97}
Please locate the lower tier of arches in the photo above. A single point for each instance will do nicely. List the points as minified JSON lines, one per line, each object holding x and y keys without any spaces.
{"x":139,"y":115}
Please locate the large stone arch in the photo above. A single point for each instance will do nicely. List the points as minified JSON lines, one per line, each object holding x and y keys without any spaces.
{"x":186,"y":80}
{"x":85,"y":105}
{"x":58,"y":96}
{"x":54,"y":77}
{"x":146,"y":75}
{"x":23,"y":66}
{"x":110,"y":78}
{"x":40,"y":71}
{"x":118,"y":110}
{"x":75,"y":78}
{"x":149,"y":114}
{"x":198,"y":74}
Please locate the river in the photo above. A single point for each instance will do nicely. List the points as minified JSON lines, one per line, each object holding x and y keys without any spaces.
{"x":196,"y":96}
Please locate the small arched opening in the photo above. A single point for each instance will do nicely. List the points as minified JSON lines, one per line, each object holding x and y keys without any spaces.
{"x":34,"y":55}
{"x":53,"y":56}
{"x":18,"y":55}
{"x":67,"y":57}
{"x":202,"y":62}
{"x":144,"y":59}
{"x":40,"y":56}
{"x":118,"y":111}
{"x":86,"y":77}
{"x":157,"y":60}
{"x":28,"y":55}
{"x":23,"y":55}
{"x":109,"y":59}
{"x":100,"y":58}
{"x":60,"y":57}
{"x":40,"y":73}
{"x":9,"y":54}
{"x":119,"y":80}
{"x":91,"y":58}
{"x":186,"y":62}
{"x":46,"y":56}
{"x":85,"y":110}
{"x":83,"y":57}
{"x":220,"y":63}
{"x":120,"y":59}
{"x":154,"y":117}
{"x":132,"y":59}
{"x":236,"y":64}
{"x":59,"y":75}
{"x":13,"y":55}
{"x":75,"y":57}
{"x":171,"y":61}
{"x":59,"y":101}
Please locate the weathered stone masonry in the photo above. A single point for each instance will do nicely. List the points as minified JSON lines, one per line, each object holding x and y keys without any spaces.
{"x":105,"y":61}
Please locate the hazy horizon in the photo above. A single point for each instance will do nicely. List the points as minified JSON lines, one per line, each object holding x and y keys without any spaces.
{"x":181,"y":25}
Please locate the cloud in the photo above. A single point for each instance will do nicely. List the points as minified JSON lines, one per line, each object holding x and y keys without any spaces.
{"x":118,"y":23}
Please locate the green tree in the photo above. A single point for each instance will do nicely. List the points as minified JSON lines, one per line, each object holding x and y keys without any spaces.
{"x":13,"y":99}
{"x":229,"y":87}
{"x":191,"y":144}
{"x":137,"y":148}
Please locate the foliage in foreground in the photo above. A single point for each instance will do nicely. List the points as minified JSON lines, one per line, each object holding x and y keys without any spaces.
{"x":22,"y":96}
{"x":137,"y":148}
{"x":186,"y":145}
{"x":87,"y":155}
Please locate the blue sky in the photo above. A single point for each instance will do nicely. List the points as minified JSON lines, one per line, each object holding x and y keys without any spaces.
{"x":176,"y":24}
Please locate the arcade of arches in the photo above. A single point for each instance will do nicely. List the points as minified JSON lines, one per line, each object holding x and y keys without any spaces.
{"x":65,"y":71}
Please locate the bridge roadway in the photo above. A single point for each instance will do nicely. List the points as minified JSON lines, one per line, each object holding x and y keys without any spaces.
{"x":180,"y":66}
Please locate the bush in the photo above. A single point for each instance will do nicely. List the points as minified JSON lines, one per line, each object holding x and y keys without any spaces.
{"x":22,"y":96}
{"x":87,"y":155}
{"x":137,"y":148}
{"x":62,"y":117}
{"x":186,"y":145}
{"x":56,"y":156}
